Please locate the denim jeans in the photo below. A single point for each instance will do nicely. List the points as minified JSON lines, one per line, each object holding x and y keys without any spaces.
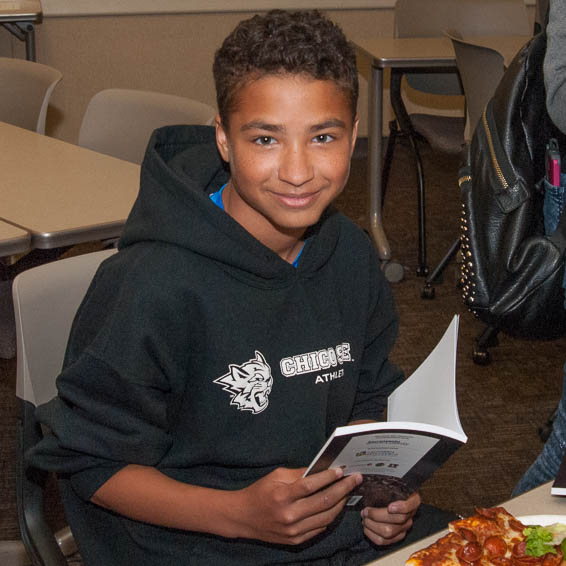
{"x":545,"y":467}
{"x":553,"y":204}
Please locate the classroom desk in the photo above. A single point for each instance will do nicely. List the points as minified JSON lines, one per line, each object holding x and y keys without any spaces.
{"x":19,"y":17}
{"x":13,"y":240}
{"x":535,"y":502}
{"x":61,"y":193}
{"x":408,"y":54}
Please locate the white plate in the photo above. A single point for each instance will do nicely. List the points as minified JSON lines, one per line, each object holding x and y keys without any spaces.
{"x":542,"y":520}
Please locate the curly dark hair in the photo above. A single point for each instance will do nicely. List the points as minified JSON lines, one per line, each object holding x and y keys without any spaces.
{"x":281,"y":42}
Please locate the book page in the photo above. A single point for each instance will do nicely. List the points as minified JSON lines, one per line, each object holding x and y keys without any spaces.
{"x":429,"y":394}
{"x":392,"y":454}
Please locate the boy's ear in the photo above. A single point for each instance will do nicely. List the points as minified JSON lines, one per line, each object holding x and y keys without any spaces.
{"x":222,"y":139}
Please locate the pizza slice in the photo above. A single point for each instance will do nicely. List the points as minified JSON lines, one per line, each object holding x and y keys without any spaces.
{"x":491,"y":537}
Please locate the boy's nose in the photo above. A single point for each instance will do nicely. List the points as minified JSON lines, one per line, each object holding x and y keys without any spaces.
{"x":295,"y":167}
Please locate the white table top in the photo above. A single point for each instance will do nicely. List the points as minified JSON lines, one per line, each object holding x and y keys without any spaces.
{"x":13,"y":240}
{"x":539,"y":501}
{"x":20,"y":11}
{"x":61,"y":193}
{"x":431,"y":51}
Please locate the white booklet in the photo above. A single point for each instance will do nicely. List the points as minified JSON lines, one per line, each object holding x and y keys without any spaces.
{"x":422,"y":431}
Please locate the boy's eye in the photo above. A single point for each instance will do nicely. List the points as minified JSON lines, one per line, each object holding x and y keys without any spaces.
{"x":264,"y":140}
{"x":323,"y":138}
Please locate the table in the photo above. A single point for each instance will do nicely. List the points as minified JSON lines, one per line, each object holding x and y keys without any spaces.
{"x":19,"y":17}
{"x":535,"y":502}
{"x":13,"y":240}
{"x":409,"y":54}
{"x":62,"y":194}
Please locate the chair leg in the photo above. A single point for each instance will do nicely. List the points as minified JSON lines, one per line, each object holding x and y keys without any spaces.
{"x":403,"y":118}
{"x":393,"y":133}
{"x":37,"y":536}
{"x":422,"y":268}
{"x":485,"y":340}
{"x":407,"y":129}
{"x":428,"y":289}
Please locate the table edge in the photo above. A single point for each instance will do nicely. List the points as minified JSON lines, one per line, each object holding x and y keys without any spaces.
{"x":72,"y":236}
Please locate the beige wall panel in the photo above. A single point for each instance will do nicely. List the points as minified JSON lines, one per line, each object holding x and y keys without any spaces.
{"x":366,"y":24}
{"x":10,"y":46}
{"x":164,"y":53}
{"x":169,"y":53}
{"x":6,"y":49}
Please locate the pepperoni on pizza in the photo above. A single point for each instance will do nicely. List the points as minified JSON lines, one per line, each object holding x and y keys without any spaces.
{"x":491,"y":537}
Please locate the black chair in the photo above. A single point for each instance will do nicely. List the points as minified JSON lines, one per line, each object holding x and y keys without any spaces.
{"x":415,"y":18}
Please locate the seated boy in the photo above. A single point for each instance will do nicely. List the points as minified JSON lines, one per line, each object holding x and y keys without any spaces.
{"x":242,"y":320}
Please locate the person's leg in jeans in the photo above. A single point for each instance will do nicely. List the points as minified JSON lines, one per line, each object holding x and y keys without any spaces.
{"x":545,"y":467}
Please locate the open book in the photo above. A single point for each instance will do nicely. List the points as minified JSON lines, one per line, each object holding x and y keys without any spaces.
{"x":422,"y":431}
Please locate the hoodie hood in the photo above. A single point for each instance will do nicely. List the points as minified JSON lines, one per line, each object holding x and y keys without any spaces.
{"x":182,"y":166}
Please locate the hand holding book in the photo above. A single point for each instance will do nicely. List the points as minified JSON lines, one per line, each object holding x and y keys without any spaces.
{"x":422,"y":431}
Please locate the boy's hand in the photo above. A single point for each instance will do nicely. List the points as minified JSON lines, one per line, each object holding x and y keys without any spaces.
{"x":390,"y":524}
{"x":285,"y":508}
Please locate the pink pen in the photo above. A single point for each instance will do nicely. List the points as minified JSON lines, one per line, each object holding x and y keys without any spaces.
{"x":553,"y":163}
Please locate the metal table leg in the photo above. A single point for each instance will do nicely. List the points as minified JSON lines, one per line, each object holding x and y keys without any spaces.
{"x":393,"y":270}
{"x":24,"y":31}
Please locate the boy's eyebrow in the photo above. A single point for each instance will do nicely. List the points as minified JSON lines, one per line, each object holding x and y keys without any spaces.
{"x":332,"y":123}
{"x":259,"y":125}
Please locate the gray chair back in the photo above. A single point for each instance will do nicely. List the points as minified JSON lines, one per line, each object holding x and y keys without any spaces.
{"x":481,"y":70}
{"x":46,"y":299}
{"x":25,"y":91}
{"x":119,"y":122}
{"x":541,"y":9}
{"x":432,"y":18}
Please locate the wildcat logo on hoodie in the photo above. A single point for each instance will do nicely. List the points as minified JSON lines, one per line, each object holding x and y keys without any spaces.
{"x":249,"y":384}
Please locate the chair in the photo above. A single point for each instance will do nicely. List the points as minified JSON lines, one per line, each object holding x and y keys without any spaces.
{"x":480,"y":69}
{"x":25,"y":90}
{"x":119,"y":122}
{"x":45,"y":301}
{"x":416,"y":18}
{"x":541,"y":15}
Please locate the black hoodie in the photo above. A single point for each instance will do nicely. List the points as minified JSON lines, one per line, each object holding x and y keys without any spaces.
{"x":201,"y":352}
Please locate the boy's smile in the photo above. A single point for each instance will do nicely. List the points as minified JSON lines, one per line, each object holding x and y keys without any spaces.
{"x":289,"y":143}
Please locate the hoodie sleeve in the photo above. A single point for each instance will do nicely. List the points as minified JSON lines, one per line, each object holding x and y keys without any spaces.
{"x":378,"y":376}
{"x":119,"y":380}
{"x":100,"y":422}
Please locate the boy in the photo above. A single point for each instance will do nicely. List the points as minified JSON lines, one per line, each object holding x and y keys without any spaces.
{"x":241,"y":321}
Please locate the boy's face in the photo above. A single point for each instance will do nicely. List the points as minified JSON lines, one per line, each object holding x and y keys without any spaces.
{"x":289,"y":143}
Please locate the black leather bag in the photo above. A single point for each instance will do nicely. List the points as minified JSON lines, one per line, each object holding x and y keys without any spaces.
{"x":512,"y":273}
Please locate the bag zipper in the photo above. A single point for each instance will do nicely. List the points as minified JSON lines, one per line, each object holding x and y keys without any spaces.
{"x":492,"y":152}
{"x":463,"y":179}
{"x":495,"y":148}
